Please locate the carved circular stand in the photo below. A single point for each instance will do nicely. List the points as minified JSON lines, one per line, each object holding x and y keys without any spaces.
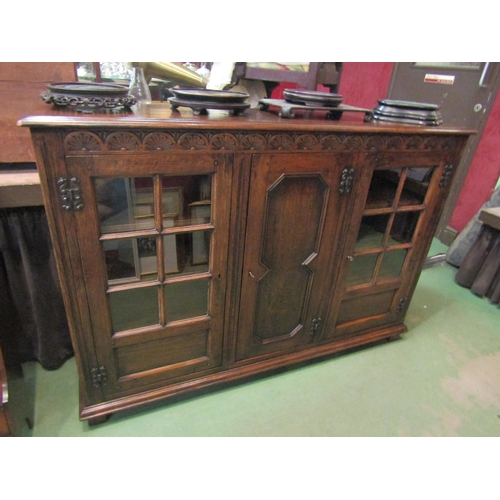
{"x":286,"y":109}
{"x":201,"y":108}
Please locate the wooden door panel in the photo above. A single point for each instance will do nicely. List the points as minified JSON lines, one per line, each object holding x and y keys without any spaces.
{"x":175,"y":352}
{"x":293,"y":220}
{"x":388,"y":236}
{"x":294,"y":207}
{"x":365,"y":306}
{"x":183,"y":332}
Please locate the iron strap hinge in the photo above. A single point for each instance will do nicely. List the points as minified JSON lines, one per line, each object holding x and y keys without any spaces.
{"x":446,"y":175}
{"x":401,"y":305}
{"x":315,"y":326}
{"x":99,"y":376}
{"x":346,"y":180}
{"x":70,"y":193}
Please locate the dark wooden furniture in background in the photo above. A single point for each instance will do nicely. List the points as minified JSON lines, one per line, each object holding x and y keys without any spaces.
{"x":316,"y":237}
{"x":318,"y":73}
{"x":480,"y":269}
{"x":20,"y":86}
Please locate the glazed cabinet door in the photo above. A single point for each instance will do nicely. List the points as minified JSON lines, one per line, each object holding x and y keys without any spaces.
{"x":391,"y":230}
{"x":295,"y":211}
{"x":153,"y":243}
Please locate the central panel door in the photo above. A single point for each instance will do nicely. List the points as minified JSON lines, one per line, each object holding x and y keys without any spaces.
{"x":294,"y":207}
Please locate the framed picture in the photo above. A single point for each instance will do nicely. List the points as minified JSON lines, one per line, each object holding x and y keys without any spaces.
{"x":143,"y":202}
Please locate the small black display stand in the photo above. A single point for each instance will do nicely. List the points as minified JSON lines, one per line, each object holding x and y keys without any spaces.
{"x":287,"y":109}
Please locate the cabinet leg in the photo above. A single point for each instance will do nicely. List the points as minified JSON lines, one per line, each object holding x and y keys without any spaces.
{"x":99,"y":420}
{"x":394,"y":337}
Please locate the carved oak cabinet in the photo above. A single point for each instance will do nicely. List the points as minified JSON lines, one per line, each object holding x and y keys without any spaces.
{"x":196,"y":250}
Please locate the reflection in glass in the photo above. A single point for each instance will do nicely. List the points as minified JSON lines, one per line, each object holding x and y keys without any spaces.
{"x":403,"y":227}
{"x":361,"y":269}
{"x":372,"y":231}
{"x":118,"y":207}
{"x":392,"y":263}
{"x":186,"y":299}
{"x":187,"y":198}
{"x":415,"y":186}
{"x":134,"y":308}
{"x":383,"y":189}
{"x":128,"y":204}
{"x":187,"y":253}
{"x":121,"y":260}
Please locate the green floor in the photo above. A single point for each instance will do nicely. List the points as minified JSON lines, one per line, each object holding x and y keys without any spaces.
{"x":441,"y":379}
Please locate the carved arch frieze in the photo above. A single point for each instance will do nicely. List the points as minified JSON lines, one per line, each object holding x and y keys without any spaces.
{"x":193,"y":141}
{"x":254,"y":142}
{"x":354,"y":142}
{"x":224,"y":142}
{"x":332,"y":142}
{"x":281,"y":142}
{"x":83,"y":142}
{"x":123,"y":141}
{"x":307,"y":142}
{"x":159,"y":141}
{"x":86,"y":141}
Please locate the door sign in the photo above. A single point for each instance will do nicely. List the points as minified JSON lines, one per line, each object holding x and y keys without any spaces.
{"x":444,"y":79}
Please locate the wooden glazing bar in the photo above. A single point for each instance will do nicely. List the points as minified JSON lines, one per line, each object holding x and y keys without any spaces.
{"x":368,"y":288}
{"x":132,"y":286}
{"x":369,"y":251}
{"x":160,"y":258}
{"x":145,"y":233}
{"x":188,"y":277}
{"x":187,"y":229}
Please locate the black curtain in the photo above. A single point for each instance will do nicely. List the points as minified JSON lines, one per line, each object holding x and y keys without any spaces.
{"x":33,"y":325}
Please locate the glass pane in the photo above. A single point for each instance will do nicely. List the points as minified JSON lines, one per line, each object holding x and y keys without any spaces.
{"x":187,"y":253}
{"x":131,"y":260}
{"x":403,"y":227}
{"x":371,"y":232}
{"x":383,"y":189}
{"x":187,"y":299}
{"x":415,"y":186}
{"x":134,"y":308}
{"x":123,"y":204}
{"x":361,"y":269}
{"x":187,"y":199}
{"x":392,"y":263}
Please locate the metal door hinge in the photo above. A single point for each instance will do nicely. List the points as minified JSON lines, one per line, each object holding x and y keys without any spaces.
{"x":346,"y":180}
{"x":446,"y":175}
{"x":70,"y":192}
{"x":402,"y":304}
{"x":99,"y":376}
{"x":315,"y":326}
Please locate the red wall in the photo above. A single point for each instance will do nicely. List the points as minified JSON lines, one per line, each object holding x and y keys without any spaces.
{"x":363,"y":83}
{"x":483,"y":173}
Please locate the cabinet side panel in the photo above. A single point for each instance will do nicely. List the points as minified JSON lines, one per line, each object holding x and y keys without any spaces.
{"x":51,"y":167}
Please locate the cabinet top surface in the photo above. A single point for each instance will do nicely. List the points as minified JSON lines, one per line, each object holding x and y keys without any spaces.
{"x":160,"y":115}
